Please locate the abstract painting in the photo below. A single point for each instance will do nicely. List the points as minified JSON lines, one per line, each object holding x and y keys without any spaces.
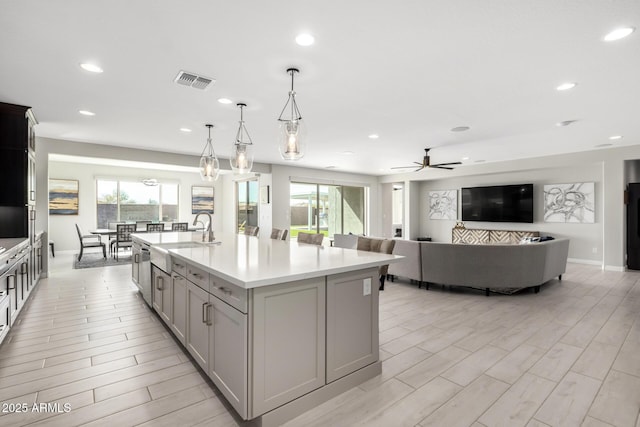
{"x":570,"y":203}
{"x":201,"y":200}
{"x":443,"y":204}
{"x":63,"y":197}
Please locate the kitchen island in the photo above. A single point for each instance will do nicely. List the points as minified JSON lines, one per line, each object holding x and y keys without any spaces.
{"x":278,"y":326}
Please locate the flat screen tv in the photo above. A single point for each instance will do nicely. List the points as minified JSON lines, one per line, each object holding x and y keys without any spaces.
{"x":500,"y":203}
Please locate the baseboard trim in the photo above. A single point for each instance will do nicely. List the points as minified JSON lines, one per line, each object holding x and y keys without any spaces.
{"x":615,"y":268}
{"x":584,"y":261}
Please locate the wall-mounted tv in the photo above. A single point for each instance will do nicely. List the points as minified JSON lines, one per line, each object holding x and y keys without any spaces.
{"x":500,"y":203}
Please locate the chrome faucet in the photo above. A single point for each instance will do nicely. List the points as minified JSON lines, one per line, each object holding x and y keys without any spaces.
{"x":207,"y":234}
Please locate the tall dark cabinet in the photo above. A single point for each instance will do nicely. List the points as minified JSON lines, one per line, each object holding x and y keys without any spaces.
{"x":17,"y":171}
{"x":633,"y":226}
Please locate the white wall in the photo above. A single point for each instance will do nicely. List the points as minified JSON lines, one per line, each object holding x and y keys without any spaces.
{"x":62,"y":228}
{"x":586,"y":239}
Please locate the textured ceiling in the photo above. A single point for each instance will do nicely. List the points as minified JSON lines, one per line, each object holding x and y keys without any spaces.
{"x":406,"y":70}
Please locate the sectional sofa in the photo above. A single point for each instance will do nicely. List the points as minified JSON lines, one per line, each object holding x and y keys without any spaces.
{"x":503,"y":268}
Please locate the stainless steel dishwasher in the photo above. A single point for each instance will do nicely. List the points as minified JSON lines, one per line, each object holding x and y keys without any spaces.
{"x":141,"y":270}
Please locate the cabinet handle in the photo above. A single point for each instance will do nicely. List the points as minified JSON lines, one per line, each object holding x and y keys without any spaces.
{"x":33,"y":215}
{"x":33,"y":194}
{"x":178,"y":265}
{"x":225,"y":290}
{"x":136,"y":258}
{"x":23,"y":268}
{"x":14,"y":282}
{"x":204,"y":312}
{"x":196,"y":275}
{"x":209,"y":322}
{"x":160,"y":280}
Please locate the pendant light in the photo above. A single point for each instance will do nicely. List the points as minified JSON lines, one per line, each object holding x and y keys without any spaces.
{"x":292,"y":133}
{"x":242,"y":160}
{"x":209,"y":164}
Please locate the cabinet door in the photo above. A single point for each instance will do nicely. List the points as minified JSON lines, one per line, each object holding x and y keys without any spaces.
{"x":179,"y":306}
{"x":352,"y":322}
{"x":198,"y":320}
{"x":288,"y":337}
{"x":228,"y":353}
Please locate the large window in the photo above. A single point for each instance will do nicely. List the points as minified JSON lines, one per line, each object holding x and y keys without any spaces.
{"x":135,"y":201}
{"x":247,"y":204}
{"x":327,"y":209}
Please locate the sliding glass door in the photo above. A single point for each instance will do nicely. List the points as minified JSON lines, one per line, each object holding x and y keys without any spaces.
{"x":247,"y":204}
{"x":327,"y":209}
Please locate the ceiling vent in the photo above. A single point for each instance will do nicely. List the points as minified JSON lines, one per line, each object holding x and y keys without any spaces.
{"x":186,"y":78}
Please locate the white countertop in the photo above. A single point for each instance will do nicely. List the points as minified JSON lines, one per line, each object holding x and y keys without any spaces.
{"x":251,"y":262}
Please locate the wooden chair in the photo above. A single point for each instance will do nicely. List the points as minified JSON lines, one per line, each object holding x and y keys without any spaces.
{"x":251,"y":230}
{"x":285,"y":233}
{"x":311,"y":238}
{"x":155,"y":227}
{"x":123,"y":237}
{"x":90,"y":241}
{"x":180,"y":226}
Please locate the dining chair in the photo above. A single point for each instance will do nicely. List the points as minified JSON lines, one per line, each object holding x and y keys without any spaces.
{"x":155,"y":227}
{"x":90,"y":241}
{"x":180,"y":226}
{"x":142,"y":225}
{"x":251,"y":230}
{"x":311,"y":238}
{"x":279,"y":234}
{"x":123,"y":237}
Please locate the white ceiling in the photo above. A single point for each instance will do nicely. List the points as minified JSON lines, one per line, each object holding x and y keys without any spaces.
{"x":406,"y":70}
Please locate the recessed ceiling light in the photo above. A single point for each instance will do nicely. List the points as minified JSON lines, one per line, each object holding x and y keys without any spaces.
{"x":480,"y":161}
{"x":465,"y":158}
{"x":460,"y":129}
{"x":305,"y":39}
{"x":86,"y":113}
{"x":606,"y":144}
{"x":347,"y":153}
{"x":618,"y":34}
{"x":224,"y":101}
{"x":615,"y":137}
{"x":565,"y":123}
{"x":186,"y":130}
{"x":93,"y":68}
{"x":374,"y":136}
{"x":566,"y":86}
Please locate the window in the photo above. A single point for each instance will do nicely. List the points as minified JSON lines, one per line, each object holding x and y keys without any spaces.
{"x":247,"y":204}
{"x":134,"y":201}
{"x":327,"y":209}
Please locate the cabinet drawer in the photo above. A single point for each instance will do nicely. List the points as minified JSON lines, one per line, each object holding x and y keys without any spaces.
{"x":229,"y":293}
{"x":179,"y":267}
{"x":198,"y":276}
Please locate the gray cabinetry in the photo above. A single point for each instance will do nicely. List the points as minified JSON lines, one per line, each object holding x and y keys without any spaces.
{"x":179,"y":306}
{"x":161,"y":283}
{"x":198,"y":313}
{"x":228,"y":353}
{"x":288,"y":342}
{"x":352,"y":307}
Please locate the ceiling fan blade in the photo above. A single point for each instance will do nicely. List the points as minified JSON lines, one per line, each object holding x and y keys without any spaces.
{"x":447,"y":164}
{"x":441,"y":167}
{"x":402,"y":167}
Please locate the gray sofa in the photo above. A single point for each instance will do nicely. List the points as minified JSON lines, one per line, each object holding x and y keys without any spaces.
{"x":498,"y":267}
{"x":410,"y":267}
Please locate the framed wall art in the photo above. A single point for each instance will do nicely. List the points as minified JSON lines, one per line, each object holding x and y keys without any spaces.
{"x":63,"y":197}
{"x":201,"y":200}
{"x":443,"y":204}
{"x":570,"y":203}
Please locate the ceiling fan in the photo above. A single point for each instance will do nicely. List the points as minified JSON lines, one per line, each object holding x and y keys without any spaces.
{"x":427,"y":164}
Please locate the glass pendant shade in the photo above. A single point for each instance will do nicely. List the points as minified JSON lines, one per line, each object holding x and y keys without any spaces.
{"x":292,"y":135}
{"x":242,"y":160}
{"x":209,"y":164}
{"x":292,"y":139}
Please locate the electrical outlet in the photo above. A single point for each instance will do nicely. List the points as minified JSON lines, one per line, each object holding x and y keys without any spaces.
{"x":366,"y":287}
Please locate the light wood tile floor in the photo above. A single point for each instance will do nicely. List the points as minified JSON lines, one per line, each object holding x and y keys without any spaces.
{"x":568,"y":356}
